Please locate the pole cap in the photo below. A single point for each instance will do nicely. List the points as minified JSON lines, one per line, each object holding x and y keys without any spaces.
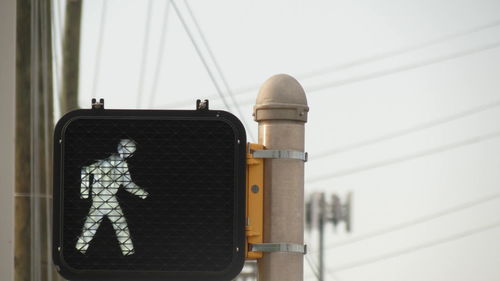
{"x":281,"y":97}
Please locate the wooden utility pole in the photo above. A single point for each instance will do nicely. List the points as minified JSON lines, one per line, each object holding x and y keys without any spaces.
{"x":71,"y":56}
{"x":22,"y":258}
{"x":34,"y":125}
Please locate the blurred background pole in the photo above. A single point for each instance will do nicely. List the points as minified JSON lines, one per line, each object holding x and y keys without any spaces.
{"x":33,"y":151}
{"x":321,"y":231}
{"x":281,"y":111}
{"x":71,"y":56}
{"x":22,"y":239}
{"x":7,"y":137}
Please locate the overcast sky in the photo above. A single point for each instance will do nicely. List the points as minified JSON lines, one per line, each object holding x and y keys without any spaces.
{"x":426,"y":70}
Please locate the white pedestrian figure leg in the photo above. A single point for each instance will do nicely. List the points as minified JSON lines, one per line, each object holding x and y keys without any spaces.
{"x":121,"y":229}
{"x":90,"y":227}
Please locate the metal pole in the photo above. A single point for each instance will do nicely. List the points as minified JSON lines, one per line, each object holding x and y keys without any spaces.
{"x":281,"y":111}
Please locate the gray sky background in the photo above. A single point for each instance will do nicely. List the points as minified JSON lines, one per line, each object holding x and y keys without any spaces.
{"x":440,"y":60}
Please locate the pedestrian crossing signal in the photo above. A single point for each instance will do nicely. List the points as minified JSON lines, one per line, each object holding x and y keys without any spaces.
{"x":149,"y":195}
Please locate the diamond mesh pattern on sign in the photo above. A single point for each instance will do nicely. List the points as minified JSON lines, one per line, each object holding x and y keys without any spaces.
{"x":149,"y":194}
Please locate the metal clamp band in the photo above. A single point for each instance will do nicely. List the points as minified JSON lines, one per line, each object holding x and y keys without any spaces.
{"x":280,"y":154}
{"x":279,"y":247}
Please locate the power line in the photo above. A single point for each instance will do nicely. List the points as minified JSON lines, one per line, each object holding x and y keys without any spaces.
{"x":211,"y":56}
{"x":378,"y":57}
{"x":407,"y":131}
{"x":403,"y":68}
{"x":416,"y":221}
{"x":395,"y":70}
{"x":161,"y":48}
{"x":97,"y":65}
{"x":404,"y":158}
{"x":400,"y":51}
{"x":216,"y":64}
{"x":415,"y":248}
{"x":313,"y":267}
{"x":198,"y":50}
{"x":145,"y":47}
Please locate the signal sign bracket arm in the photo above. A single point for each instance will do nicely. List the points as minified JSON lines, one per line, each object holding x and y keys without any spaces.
{"x":279,"y":247}
{"x":281,"y":154}
{"x":256,"y":153}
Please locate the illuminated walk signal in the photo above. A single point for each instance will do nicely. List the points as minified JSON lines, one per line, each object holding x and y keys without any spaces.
{"x":149,"y":195}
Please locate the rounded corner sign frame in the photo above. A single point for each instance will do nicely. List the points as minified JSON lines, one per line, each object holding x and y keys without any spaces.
{"x":238,"y":254}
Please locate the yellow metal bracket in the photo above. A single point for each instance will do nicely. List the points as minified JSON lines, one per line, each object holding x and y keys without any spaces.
{"x":255,"y":201}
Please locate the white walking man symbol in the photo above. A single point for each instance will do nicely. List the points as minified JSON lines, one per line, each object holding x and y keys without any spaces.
{"x":108,"y":175}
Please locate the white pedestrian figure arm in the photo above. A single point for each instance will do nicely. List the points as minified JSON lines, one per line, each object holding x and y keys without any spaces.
{"x":130,"y":186}
{"x":85,"y":185}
